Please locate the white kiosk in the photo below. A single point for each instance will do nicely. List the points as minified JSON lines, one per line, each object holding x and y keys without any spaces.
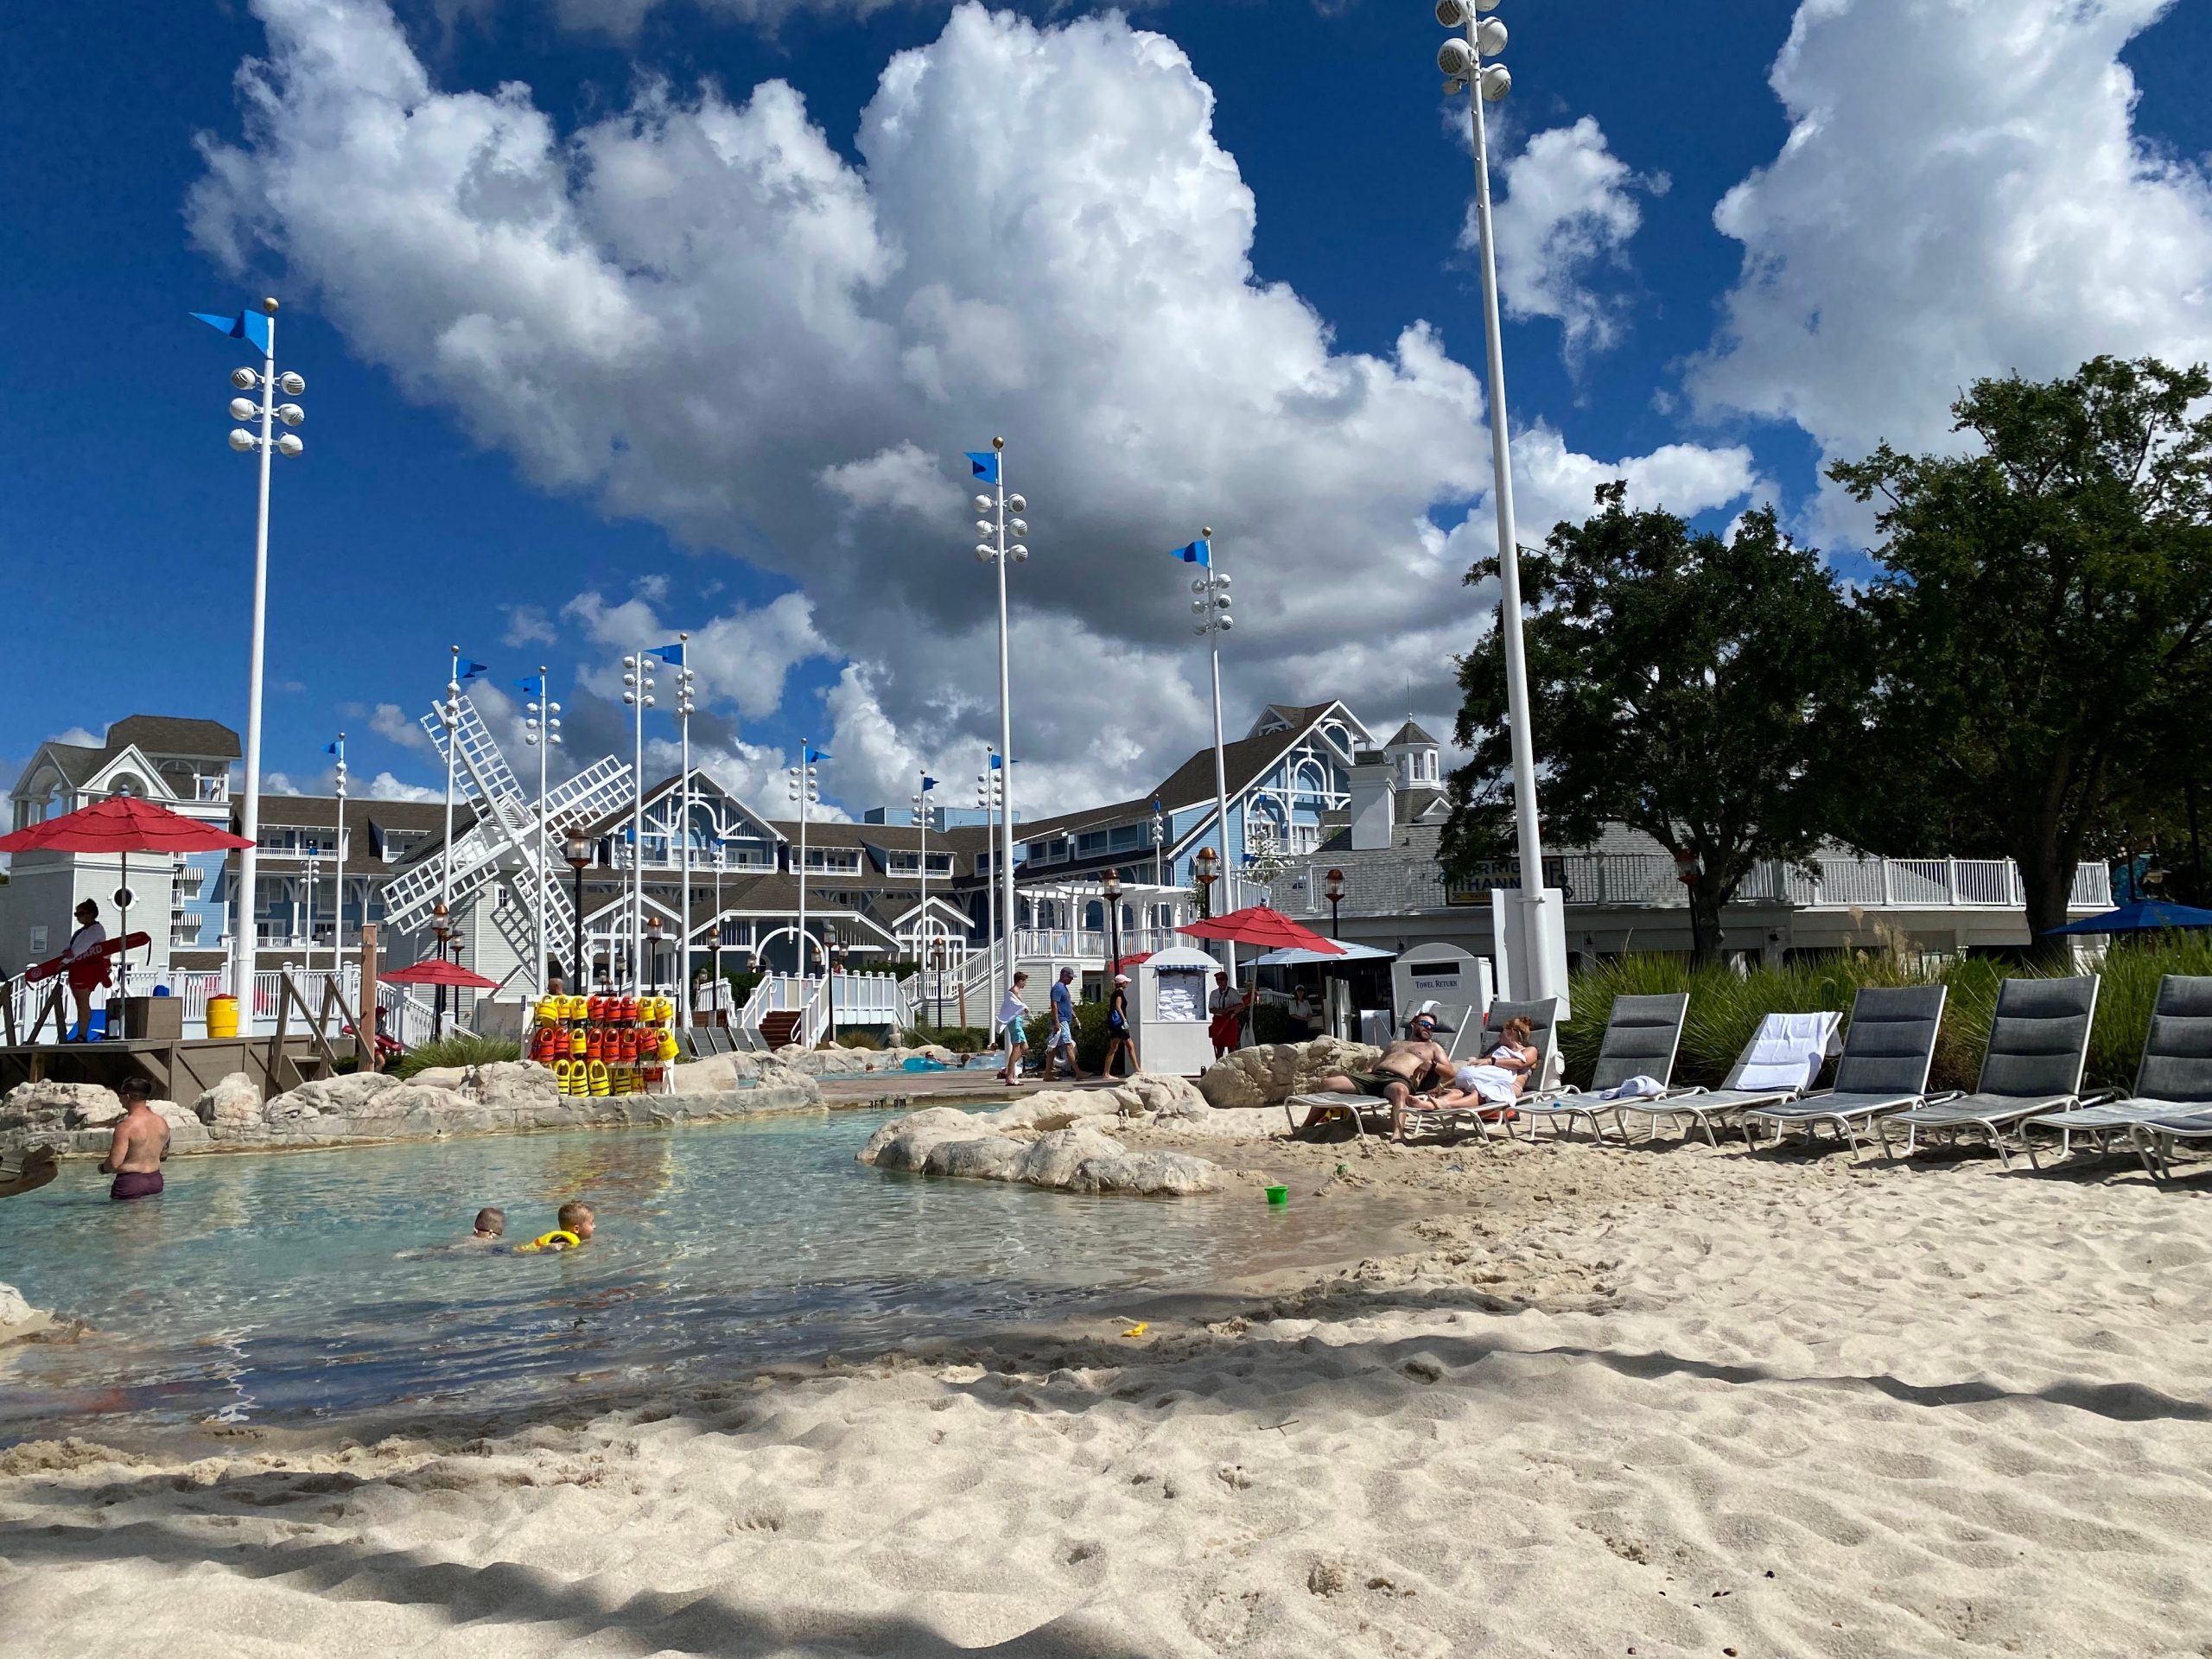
{"x":1457,"y":981}
{"x":1167,"y":1016}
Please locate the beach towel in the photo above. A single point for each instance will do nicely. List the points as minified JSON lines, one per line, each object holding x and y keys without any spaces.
{"x":1787,"y":1051}
{"x":1635,"y":1088}
{"x":1493,"y":1083}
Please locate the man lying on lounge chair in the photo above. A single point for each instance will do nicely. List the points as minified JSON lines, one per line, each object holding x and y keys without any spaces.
{"x":1407,"y":1068}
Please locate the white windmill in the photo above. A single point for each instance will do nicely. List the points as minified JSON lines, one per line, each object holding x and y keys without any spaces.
{"x":505,"y":836}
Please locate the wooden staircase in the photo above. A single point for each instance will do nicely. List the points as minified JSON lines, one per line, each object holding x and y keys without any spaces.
{"x":779,"y":1027}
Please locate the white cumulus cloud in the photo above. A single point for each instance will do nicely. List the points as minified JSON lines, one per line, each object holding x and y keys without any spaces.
{"x":1568,"y":211}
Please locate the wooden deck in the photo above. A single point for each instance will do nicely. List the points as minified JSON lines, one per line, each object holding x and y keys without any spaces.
{"x":181,"y":1068}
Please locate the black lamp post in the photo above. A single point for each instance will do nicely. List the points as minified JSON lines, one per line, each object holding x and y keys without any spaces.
{"x":578,"y":851}
{"x":652,"y":953}
{"x":1207,"y":866}
{"x":1687,"y":871}
{"x":440,"y":925}
{"x":1333,"y":885}
{"x":1111,"y":887}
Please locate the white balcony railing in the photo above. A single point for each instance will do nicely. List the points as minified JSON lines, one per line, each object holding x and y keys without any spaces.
{"x":1835,"y":882}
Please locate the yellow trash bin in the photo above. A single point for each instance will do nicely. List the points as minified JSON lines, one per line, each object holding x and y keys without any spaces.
{"x":223,"y":1016}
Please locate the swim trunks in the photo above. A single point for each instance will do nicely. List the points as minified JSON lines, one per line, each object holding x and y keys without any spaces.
{"x":1376,"y":1084}
{"x":135,"y":1184}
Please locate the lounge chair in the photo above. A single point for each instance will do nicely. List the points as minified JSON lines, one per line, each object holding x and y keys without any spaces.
{"x":2038,"y":1044}
{"x":2173,"y":1081}
{"x":1321,"y":1105}
{"x":1642,"y":1035}
{"x":1779,"y":1063}
{"x":1543,"y":1016}
{"x":1887,"y":1050}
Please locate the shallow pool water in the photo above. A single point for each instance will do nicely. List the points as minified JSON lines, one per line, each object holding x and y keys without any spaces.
{"x":306,"y":1286}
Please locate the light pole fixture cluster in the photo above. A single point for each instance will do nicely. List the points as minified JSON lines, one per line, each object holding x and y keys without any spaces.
{"x":265,"y":442}
{"x":1478,"y":36}
{"x":998,"y":541}
{"x":638,"y":684}
{"x":541,"y":730}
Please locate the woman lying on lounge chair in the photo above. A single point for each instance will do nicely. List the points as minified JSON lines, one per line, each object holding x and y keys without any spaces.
{"x":1493,"y":1083}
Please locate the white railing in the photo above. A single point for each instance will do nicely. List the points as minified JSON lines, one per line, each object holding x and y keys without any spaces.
{"x":1834,"y":882}
{"x":409,"y":1018}
{"x":1081,"y":944}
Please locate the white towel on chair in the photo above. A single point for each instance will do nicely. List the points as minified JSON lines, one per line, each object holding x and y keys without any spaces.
{"x":1787,"y":1051}
{"x":1491,"y":1082}
{"x":1635,"y":1088}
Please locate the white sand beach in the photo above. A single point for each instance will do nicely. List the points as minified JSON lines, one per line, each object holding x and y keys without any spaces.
{"x":1653,"y":1403}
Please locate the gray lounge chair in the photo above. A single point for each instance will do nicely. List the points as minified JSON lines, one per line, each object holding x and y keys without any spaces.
{"x":1642,"y":1036}
{"x":1769,"y":1070}
{"x":1543,"y":1016}
{"x":2173,"y":1080}
{"x":2038,"y":1044}
{"x":1886,"y":1053}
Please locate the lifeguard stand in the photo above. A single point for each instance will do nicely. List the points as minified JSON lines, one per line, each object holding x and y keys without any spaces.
{"x":1167,"y":1016}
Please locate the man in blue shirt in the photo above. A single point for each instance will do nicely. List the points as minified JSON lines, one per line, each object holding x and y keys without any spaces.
{"x":1062,"y":1036}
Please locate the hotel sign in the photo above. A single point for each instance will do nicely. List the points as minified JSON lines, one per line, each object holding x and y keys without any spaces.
{"x":1500,"y":875}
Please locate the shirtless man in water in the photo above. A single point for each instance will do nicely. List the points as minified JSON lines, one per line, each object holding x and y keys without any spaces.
{"x":1413,"y":1066}
{"x":141,"y":1141}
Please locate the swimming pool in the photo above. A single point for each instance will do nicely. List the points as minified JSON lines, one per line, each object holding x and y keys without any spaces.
{"x":309,"y":1287}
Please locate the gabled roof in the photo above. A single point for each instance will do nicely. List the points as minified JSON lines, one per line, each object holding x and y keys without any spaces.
{"x":75,"y":762}
{"x":156,"y":734}
{"x":614,"y":822}
{"x":1410,"y":734}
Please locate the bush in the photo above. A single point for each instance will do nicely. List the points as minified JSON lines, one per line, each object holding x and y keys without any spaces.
{"x":1271,"y":1023}
{"x":854,"y":1038}
{"x":460,"y":1049}
{"x":1089,"y":1036}
{"x":961,"y":1040}
{"x":1725,"y":1007}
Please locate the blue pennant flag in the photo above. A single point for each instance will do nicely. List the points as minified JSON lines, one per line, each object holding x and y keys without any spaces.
{"x":671,"y":654}
{"x":814,"y":754}
{"x":334,"y":748}
{"x":469,"y":671}
{"x":996,"y":760}
{"x":928,"y":783}
{"x":535,"y":685}
{"x":983,"y":466}
{"x":247,"y":325}
{"x":1198,"y":552}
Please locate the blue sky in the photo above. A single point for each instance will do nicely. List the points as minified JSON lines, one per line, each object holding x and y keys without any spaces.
{"x":622,"y":352}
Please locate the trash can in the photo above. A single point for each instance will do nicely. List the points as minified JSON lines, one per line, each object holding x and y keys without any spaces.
{"x":223,"y":1016}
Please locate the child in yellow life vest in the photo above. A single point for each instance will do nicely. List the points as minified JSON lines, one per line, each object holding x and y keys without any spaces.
{"x":576,"y":1222}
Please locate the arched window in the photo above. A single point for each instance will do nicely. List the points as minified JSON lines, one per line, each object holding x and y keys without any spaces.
{"x":1094,"y":916}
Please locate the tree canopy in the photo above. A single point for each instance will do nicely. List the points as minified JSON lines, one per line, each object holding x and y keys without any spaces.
{"x":1698,"y":687}
{"x":2040,"y":620}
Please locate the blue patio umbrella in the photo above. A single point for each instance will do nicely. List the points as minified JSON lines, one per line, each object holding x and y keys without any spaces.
{"x":2143,"y":916}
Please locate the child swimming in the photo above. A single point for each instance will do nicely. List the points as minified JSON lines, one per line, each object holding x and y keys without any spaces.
{"x":576,"y":1222}
{"x":490,"y":1225}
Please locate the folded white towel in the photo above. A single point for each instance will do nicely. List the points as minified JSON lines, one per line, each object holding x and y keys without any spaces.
{"x":1635,"y":1088}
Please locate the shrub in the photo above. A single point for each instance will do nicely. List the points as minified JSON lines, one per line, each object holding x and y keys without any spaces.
{"x":857,"y":1038}
{"x":1089,"y":1035}
{"x":460,"y":1049}
{"x":961,"y":1040}
{"x":1271,"y":1023}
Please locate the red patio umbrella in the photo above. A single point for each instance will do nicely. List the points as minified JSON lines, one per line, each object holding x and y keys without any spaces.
{"x":434,"y":972}
{"x":1258,"y":925}
{"x":123,"y":824}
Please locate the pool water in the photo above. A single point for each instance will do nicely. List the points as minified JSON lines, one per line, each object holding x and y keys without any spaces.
{"x":306,"y":1287}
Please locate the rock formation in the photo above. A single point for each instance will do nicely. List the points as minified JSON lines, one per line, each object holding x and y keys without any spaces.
{"x":1269,"y":1073}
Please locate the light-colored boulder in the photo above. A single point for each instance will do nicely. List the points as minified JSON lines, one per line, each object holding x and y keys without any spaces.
{"x":943,"y":1141}
{"x":49,"y":1104}
{"x":1155,"y":1174}
{"x":983,"y":1158}
{"x":1056,"y":1108}
{"x":1053,"y":1158}
{"x":442,"y":1077}
{"x":17,"y":1316}
{"x":185,"y":1127}
{"x":913,"y":1134}
{"x":1268,"y":1074}
{"x":340,"y":1097}
{"x":1163,"y":1096}
{"x":232,"y":1104}
{"x":510,"y":1085}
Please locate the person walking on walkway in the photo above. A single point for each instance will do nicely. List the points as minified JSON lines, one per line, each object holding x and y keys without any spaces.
{"x":1119,"y":1039}
{"x":1063,"y":1037}
{"x":1012,"y":1013}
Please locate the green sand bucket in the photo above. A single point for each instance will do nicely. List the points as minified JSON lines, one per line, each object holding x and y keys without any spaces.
{"x":1278,"y":1195}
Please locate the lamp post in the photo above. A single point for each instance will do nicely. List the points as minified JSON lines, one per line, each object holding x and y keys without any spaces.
{"x":834,"y":964}
{"x":1205,"y":865}
{"x":1111,"y":887}
{"x":990,"y":795}
{"x":936,"y":962}
{"x":267,"y":443}
{"x":652,"y":955}
{"x":804,"y":792}
{"x":1211,"y":604}
{"x":541,"y":730}
{"x":449,"y":718}
{"x":1686,"y":870}
{"x":685,"y":681}
{"x":722,"y":863}
{"x":1460,"y":58}
{"x":338,"y":907}
{"x":441,"y":926}
{"x":1333,"y":885}
{"x":922,"y":822}
{"x":993,"y":528}
{"x":638,"y":692}
{"x":578,"y":851}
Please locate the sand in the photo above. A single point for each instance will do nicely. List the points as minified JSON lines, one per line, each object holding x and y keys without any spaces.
{"x":1654,"y":1403}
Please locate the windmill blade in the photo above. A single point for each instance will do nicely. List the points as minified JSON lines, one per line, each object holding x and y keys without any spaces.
{"x":483,"y":771}
{"x":408,"y":896}
{"x":591,"y":795}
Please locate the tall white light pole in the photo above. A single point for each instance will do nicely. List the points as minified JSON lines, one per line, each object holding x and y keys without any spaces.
{"x":990,"y":795}
{"x":994,"y":548}
{"x":684,"y":680}
{"x":1461,"y":58}
{"x":638,"y":691}
{"x":269,"y":442}
{"x":1211,"y":605}
{"x":922,"y":820}
{"x":338,"y":921}
{"x":448,"y":717}
{"x":541,"y":730}
{"x":804,"y":794}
